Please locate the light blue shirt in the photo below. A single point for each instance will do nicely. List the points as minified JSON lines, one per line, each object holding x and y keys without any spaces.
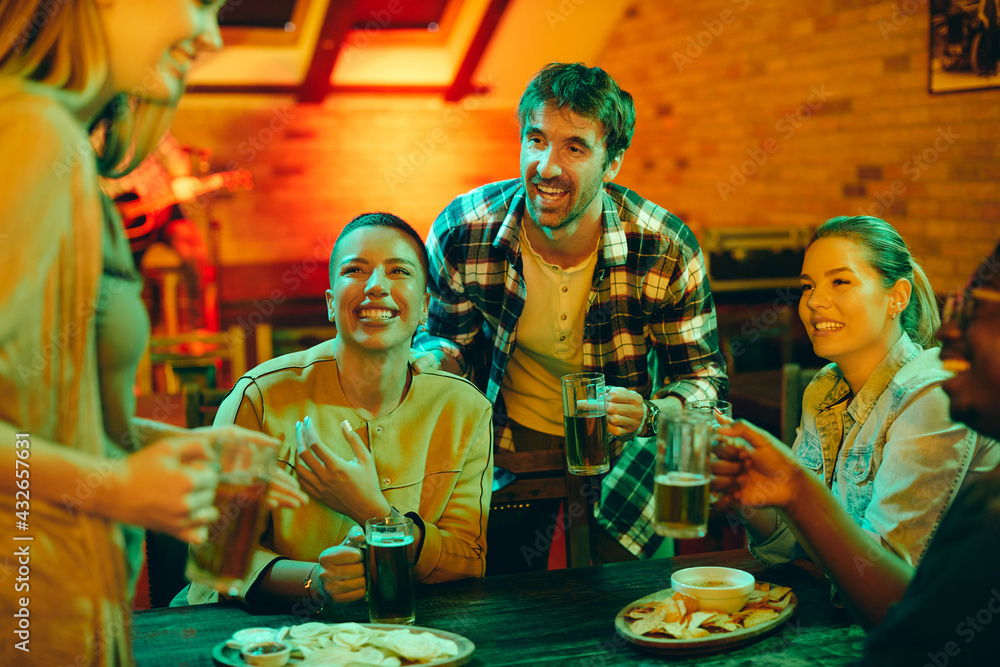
{"x":892,"y":456}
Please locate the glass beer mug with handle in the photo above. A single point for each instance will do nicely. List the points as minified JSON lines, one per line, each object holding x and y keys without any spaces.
{"x":222,"y":561}
{"x":585,"y":416}
{"x":682,"y":477}
{"x":389,"y":554}
{"x":710,"y":407}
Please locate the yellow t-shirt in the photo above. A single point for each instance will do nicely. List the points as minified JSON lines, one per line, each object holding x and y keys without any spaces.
{"x":549,"y":341}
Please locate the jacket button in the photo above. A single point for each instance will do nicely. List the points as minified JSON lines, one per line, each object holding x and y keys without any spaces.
{"x":386,"y":480}
{"x":378,"y":429}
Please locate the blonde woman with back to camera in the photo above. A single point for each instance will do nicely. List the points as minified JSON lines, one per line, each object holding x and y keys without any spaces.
{"x":73,"y":74}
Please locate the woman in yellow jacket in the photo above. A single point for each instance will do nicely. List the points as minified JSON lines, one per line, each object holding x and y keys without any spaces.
{"x":365,"y":435}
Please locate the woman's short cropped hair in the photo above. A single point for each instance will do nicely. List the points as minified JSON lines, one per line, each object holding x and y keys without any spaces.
{"x":379,"y":219}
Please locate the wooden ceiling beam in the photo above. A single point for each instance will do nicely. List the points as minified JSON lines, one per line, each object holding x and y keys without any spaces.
{"x":462,"y":85}
{"x":337,"y":22}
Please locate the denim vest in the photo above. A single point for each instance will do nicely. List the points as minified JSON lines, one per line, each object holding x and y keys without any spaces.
{"x":892,"y":456}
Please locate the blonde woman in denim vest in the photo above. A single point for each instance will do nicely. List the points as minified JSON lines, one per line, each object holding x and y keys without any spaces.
{"x":875,"y":424}
{"x":939,"y":613}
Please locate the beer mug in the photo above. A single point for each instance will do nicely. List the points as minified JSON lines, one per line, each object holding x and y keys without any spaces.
{"x":708,"y":410}
{"x":222,"y":561}
{"x":585,"y":417}
{"x":682,"y":475}
{"x":389,"y":554}
{"x":709,"y":407}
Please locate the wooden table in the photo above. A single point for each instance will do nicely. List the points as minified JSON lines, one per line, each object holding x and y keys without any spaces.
{"x":562,"y":617}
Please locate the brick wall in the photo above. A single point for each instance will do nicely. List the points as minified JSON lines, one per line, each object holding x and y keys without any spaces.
{"x":788,"y":113}
{"x":777,"y":112}
{"x":315,"y":167}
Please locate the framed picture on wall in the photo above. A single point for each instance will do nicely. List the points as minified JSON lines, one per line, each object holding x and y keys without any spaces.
{"x":964,"y":45}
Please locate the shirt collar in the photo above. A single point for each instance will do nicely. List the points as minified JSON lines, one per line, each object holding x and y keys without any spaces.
{"x":613,"y":239}
{"x":508,"y":237}
{"x":899,"y":355}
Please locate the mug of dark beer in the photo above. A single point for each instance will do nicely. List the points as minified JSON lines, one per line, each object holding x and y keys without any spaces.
{"x":585,"y":417}
{"x":389,"y":555}
{"x":223,"y":559}
{"x":683,"y":446}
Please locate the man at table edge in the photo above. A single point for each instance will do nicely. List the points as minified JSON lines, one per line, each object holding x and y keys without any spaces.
{"x":593,"y":278}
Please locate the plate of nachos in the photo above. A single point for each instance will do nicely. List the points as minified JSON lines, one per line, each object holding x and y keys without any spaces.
{"x":668,"y":622}
{"x":316,"y":644}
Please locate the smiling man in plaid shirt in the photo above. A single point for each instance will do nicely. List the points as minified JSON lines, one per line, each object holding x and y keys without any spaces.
{"x":562,"y":271}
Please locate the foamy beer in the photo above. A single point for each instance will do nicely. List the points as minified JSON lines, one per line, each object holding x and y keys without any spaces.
{"x":682,"y":475}
{"x":222,"y":561}
{"x":585,"y":418}
{"x":389,"y":558}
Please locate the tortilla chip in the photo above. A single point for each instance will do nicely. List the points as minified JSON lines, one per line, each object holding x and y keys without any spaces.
{"x":759,"y":616}
{"x":640,"y":611}
{"x":781,"y":604}
{"x":695,"y":633}
{"x":698,"y":618}
{"x":721,"y":622}
{"x":329,"y":656}
{"x":673,"y":610}
{"x":419,"y":647}
{"x":675,"y":630}
{"x":650,"y":621}
{"x":690,"y":603}
{"x":779,"y":592}
{"x":308,"y":630}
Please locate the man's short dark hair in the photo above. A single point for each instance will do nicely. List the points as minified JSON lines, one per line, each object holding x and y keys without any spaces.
{"x":381,"y":220}
{"x":587,"y":91}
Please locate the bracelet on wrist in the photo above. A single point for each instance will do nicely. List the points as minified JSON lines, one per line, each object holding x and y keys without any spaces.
{"x":642,"y":424}
{"x":314,"y":588}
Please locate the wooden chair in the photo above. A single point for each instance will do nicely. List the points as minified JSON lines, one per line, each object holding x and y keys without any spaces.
{"x":201,"y":404}
{"x":273,"y":342}
{"x":195,"y":349}
{"x":541,"y":475}
{"x":794,"y":380}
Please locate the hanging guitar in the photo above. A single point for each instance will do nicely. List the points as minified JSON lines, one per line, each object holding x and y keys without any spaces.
{"x":143,"y":218}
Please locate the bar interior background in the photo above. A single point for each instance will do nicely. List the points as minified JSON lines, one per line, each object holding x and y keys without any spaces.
{"x":756,"y":122}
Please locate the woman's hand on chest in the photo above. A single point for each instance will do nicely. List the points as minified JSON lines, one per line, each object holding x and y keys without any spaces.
{"x":349,"y":487}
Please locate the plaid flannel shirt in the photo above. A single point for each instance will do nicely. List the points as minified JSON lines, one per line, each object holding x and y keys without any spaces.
{"x":650,"y":324}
